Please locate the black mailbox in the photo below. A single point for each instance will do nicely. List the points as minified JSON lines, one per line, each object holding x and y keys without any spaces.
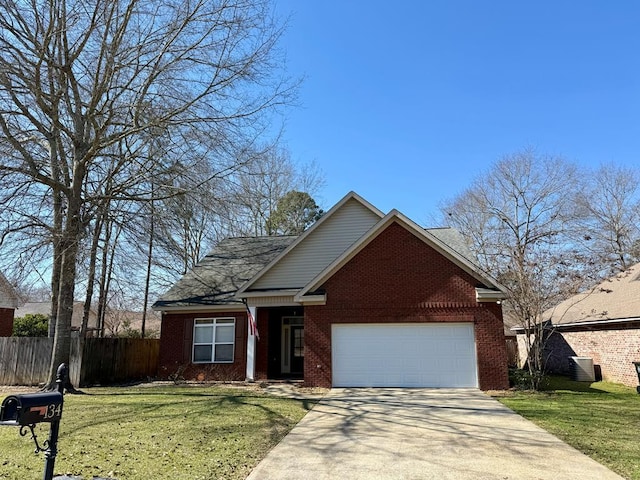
{"x":31,"y":408}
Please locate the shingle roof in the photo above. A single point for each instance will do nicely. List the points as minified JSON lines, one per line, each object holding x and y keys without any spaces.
{"x":216,"y":278}
{"x":616,"y":298}
{"x":454,"y":239}
{"x":234,"y":261}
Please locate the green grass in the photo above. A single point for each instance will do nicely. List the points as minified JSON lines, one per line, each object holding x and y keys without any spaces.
{"x":186,"y":432}
{"x":600,"y":419}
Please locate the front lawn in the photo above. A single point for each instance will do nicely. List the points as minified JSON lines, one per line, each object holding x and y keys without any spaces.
{"x":149,"y":432}
{"x":600,"y":419}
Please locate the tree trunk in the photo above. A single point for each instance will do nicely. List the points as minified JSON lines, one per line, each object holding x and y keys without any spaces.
{"x":69,"y":247}
{"x":55,"y":282}
{"x":91,"y":275}
{"x":102,"y":301}
{"x":58,"y":204}
{"x":62,"y":339}
{"x":149,"y":265}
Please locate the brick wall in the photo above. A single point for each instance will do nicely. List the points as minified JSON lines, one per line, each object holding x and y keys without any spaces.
{"x":6,"y":322}
{"x":398,"y":278}
{"x":612,"y":350}
{"x":176,"y":344}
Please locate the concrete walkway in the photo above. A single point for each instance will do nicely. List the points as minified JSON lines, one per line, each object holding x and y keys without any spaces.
{"x":408,"y":434}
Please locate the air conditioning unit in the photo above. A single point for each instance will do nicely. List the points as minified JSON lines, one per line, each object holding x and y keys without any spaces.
{"x":581,"y":369}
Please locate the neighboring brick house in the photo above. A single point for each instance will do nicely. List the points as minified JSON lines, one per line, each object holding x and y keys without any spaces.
{"x":359,"y":299}
{"x":9,"y":301}
{"x":602,"y":323}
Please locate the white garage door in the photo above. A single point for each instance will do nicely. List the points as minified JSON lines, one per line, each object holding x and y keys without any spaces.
{"x":404,"y":355}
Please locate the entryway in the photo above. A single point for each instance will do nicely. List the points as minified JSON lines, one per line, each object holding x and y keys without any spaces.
{"x":286,"y":343}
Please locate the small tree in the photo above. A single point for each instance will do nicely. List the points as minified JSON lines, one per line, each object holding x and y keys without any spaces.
{"x":31,"y":325}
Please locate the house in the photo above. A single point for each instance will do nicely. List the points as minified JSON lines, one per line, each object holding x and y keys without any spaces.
{"x":44,"y":308}
{"x":127,"y":322}
{"x":602,"y":323}
{"x":9,"y":301}
{"x":359,"y":299}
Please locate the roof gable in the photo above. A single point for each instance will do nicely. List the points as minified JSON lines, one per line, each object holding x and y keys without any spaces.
{"x":317,"y":247}
{"x":433,"y":239}
{"x":8,"y":295}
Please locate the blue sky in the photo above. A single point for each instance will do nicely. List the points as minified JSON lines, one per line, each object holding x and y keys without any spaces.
{"x":407,"y":102}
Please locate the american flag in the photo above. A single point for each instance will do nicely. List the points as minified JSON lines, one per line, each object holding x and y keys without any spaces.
{"x":253,"y":326}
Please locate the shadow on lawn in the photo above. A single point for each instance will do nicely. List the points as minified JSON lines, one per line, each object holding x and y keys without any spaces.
{"x":179,"y":405}
{"x":561,"y":384}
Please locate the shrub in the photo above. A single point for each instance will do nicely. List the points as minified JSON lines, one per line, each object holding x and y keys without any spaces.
{"x":31,"y":325}
{"x":522,"y":379}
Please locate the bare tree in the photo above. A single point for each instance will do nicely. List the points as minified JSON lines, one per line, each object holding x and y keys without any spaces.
{"x":267,"y":176}
{"x":514,"y":217}
{"x":92,"y":80}
{"x":610,"y":218}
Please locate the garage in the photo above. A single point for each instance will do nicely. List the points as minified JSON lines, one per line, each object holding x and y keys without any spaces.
{"x":404,"y":355}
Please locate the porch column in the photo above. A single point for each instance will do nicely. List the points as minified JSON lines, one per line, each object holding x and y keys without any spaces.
{"x":252,"y":333}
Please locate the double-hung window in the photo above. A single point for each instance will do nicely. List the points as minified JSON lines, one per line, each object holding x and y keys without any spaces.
{"x":213,"y":340}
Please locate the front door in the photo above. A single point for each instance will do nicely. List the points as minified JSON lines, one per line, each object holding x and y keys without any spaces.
{"x":292,"y":346}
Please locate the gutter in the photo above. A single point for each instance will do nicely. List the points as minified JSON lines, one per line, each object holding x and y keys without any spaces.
{"x":587,"y":323}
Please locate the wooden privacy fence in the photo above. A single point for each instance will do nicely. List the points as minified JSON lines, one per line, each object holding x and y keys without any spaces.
{"x":25,"y":360}
{"x":512,"y":352}
{"x":118,"y":360}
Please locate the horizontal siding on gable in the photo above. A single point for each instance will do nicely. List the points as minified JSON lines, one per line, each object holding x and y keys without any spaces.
{"x":6,"y":299}
{"x":321,"y":247}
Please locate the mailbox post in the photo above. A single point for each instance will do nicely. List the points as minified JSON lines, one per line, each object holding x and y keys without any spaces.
{"x":26,"y":410}
{"x":637,"y":365}
{"x":52,"y":444}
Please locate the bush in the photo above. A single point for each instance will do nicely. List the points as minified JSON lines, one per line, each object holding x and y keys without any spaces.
{"x":522,"y":379}
{"x":31,"y":325}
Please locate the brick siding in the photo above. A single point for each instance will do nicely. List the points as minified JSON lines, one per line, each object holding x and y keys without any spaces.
{"x":398,"y":278}
{"x":6,"y":322}
{"x":612,"y":350}
{"x":176,"y":343}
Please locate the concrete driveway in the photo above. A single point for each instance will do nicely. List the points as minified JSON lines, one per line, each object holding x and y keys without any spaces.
{"x":395,"y":433}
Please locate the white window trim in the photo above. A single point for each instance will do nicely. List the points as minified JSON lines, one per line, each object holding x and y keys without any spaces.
{"x":213,"y":343}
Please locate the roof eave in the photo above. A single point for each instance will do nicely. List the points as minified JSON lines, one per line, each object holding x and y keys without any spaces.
{"x":586,"y":323}
{"x":266,"y":293}
{"x":488,"y":295}
{"x":309,"y":300}
{"x":227,"y":307}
